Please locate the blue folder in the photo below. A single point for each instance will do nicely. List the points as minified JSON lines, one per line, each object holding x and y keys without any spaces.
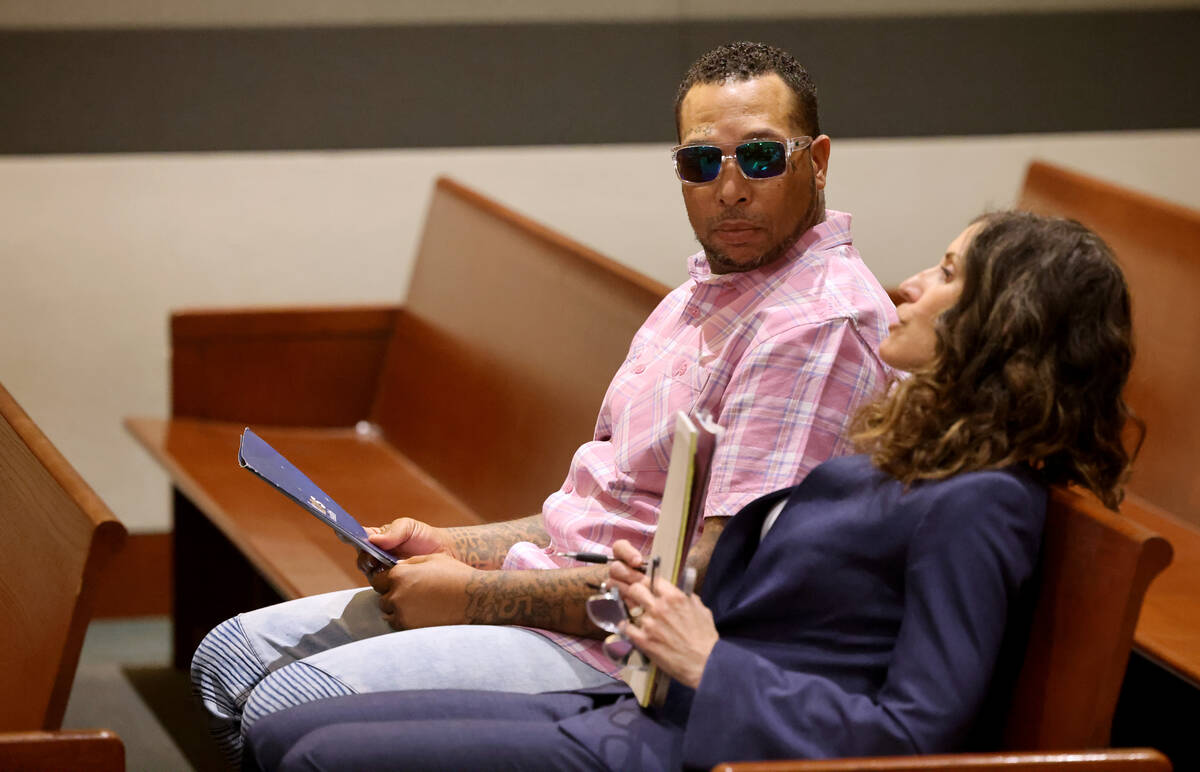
{"x":266,"y":462}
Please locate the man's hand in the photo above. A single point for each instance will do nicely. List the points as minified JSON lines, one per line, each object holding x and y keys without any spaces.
{"x":403,"y":537}
{"x":424,"y":591}
{"x":676,"y":631}
{"x":438,"y":589}
{"x":479,"y":546}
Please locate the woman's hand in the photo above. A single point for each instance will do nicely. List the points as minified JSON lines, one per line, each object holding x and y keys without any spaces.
{"x":676,"y":631}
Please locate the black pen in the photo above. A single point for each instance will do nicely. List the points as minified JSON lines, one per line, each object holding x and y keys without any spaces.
{"x":592,"y":557}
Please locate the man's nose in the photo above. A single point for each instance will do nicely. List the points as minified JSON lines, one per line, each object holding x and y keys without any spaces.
{"x":732,"y":186}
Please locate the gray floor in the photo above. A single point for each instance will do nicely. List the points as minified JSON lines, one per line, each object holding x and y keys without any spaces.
{"x":124,"y":683}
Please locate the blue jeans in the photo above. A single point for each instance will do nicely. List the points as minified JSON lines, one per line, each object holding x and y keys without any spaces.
{"x":339,"y":644}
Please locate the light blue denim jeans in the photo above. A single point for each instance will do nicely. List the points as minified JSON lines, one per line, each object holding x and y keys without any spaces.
{"x":338,"y":643}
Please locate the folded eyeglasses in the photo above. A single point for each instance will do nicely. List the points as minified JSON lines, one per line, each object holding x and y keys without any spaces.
{"x":607,"y":611}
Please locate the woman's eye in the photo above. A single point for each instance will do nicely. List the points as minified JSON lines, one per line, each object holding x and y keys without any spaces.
{"x":947,"y":274}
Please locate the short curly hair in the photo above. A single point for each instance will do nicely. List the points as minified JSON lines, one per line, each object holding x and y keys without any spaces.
{"x":1029,"y":367}
{"x":744,"y":60}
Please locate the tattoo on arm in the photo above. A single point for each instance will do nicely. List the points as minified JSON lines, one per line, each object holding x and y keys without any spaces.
{"x":702,"y":549}
{"x":553,"y":599}
{"x":484,"y":546}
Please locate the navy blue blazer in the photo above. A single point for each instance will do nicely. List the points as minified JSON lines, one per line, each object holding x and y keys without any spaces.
{"x":869,"y":621}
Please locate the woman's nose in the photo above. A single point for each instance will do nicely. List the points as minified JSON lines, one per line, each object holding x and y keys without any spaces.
{"x":911,"y":288}
{"x":914,"y":286}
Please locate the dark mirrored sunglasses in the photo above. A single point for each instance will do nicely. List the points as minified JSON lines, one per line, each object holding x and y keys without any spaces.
{"x":758,"y":159}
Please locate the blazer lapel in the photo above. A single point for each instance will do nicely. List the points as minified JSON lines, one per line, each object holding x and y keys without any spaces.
{"x":734,"y":551}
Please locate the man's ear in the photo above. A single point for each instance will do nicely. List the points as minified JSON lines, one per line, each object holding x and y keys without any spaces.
{"x":819,"y":150}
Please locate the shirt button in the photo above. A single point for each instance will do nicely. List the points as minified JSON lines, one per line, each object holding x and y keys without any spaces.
{"x":640,"y":369}
{"x":568,"y":488}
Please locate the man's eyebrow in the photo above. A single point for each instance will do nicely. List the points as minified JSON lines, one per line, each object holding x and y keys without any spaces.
{"x":763,"y":134}
{"x":699,"y":133}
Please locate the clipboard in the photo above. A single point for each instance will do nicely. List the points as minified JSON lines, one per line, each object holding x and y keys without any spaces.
{"x":269,"y":464}
{"x":692,"y":447}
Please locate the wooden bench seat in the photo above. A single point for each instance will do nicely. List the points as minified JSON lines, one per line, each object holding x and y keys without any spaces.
{"x":1168,"y":631}
{"x":364,"y":474}
{"x":56,"y":540}
{"x":1158,"y":246}
{"x":463,"y":405}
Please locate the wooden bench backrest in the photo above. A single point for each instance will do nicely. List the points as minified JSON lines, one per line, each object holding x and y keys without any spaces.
{"x":502,"y":352}
{"x":1095,"y":568}
{"x":55,"y":536}
{"x":1158,"y":246}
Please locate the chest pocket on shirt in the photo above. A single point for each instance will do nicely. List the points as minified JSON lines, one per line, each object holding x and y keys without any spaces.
{"x":657,"y":389}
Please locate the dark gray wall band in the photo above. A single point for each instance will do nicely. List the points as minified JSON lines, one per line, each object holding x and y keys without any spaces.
{"x":428,"y":86}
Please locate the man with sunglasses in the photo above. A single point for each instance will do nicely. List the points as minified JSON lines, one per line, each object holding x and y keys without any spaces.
{"x":774,"y":335}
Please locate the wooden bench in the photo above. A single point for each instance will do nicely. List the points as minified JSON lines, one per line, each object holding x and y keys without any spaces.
{"x":1158,"y":246}
{"x":463,"y":405}
{"x":56,"y":537}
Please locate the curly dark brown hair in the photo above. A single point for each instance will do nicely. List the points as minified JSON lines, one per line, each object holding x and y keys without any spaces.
{"x":1029,"y":366}
{"x":744,"y":60}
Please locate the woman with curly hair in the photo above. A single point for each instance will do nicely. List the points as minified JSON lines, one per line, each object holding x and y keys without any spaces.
{"x":866,"y":611}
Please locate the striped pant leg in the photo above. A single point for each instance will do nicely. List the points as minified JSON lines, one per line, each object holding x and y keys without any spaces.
{"x":226,"y":672}
{"x":239,"y":653}
{"x":225,"y":668}
{"x":295,"y":684}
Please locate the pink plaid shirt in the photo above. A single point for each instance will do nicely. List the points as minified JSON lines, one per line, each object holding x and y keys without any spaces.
{"x":781,"y":357}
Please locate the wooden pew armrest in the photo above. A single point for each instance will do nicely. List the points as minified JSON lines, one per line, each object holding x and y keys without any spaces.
{"x":1106,"y":760}
{"x":1168,"y":630}
{"x":313,"y":367}
{"x":81,"y":750}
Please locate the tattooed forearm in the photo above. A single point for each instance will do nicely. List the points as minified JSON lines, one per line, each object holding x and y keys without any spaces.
{"x":702,"y":548}
{"x":484,"y":546}
{"x":553,"y":599}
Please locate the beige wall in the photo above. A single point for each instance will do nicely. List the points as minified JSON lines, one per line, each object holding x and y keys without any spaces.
{"x":122,"y":13}
{"x":95,"y":250}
